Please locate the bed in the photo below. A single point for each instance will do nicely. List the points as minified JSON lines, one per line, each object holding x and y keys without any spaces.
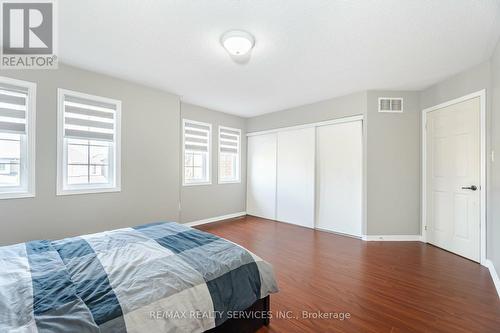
{"x":159,"y":277}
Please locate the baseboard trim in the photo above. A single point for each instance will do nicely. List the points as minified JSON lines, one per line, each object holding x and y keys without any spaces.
{"x":392,"y":238}
{"x":494,"y":275}
{"x":215,"y":219}
{"x":338,"y":233}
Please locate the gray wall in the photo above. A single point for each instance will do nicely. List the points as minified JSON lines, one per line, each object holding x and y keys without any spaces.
{"x":494,"y":218}
{"x":392,"y":183}
{"x":206,"y":201}
{"x":393,"y":147}
{"x":339,"y":107}
{"x":469,"y":81}
{"x":349,"y":105}
{"x":150,"y":162}
{"x":393,"y":160}
{"x":391,"y":172}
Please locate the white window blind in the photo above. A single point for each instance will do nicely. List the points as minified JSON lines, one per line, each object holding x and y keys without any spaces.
{"x":229,"y":154}
{"x":196,"y":140}
{"x":13,"y":109}
{"x":229,"y":140}
{"x":196,"y":136}
{"x":87,"y":119}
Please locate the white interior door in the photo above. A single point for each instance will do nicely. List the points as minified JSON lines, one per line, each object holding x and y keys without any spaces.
{"x":261,"y":176}
{"x":295,"y":172}
{"x":453,"y":178}
{"x":339,"y":178}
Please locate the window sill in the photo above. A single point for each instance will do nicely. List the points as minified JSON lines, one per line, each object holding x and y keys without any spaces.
{"x":88,"y":191}
{"x":222,"y":182}
{"x":14,"y":195}
{"x":197,"y":184}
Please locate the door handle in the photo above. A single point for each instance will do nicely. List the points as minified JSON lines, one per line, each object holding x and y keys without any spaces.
{"x":472,"y":187}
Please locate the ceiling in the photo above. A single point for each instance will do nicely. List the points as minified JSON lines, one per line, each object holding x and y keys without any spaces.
{"x":305,"y":51}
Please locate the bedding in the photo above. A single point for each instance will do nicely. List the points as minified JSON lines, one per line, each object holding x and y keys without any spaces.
{"x":160,"y":277}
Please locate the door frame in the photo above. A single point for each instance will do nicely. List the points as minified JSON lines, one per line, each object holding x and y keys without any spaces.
{"x":482,"y":225}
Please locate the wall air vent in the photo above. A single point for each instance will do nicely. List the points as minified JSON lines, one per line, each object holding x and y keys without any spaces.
{"x":390,"y":104}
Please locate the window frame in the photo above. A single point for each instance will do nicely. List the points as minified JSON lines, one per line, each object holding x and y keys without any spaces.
{"x":238,"y":158}
{"x":62,"y":152}
{"x":209,"y":153}
{"x":29,"y":153}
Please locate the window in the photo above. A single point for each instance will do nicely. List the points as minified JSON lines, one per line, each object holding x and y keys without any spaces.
{"x":196,"y":146}
{"x":17,"y":138}
{"x":88,"y":143}
{"x":229,"y":155}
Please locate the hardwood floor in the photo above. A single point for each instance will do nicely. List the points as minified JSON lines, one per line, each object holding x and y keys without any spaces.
{"x":396,"y":287}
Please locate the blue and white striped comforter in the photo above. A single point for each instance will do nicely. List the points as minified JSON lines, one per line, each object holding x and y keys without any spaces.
{"x":161,"y":277}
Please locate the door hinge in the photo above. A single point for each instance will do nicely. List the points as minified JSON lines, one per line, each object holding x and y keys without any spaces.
{"x":425,"y":228}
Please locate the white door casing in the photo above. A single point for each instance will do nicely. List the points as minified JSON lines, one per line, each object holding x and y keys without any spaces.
{"x":453,"y":166}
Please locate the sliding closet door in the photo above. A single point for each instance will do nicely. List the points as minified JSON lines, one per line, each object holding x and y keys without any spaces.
{"x":339,"y":178}
{"x":295,"y":191}
{"x":261,"y":176}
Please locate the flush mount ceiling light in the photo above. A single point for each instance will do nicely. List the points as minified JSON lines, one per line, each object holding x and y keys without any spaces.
{"x":237,"y":42}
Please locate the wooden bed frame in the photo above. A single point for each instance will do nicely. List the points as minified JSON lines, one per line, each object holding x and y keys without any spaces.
{"x":246,"y":325}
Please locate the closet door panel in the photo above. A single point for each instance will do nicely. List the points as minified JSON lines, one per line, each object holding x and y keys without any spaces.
{"x":261,"y":176}
{"x":295,"y":177}
{"x":339,"y":178}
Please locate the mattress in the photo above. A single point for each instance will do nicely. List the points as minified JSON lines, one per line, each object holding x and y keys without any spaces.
{"x":159,"y":277}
